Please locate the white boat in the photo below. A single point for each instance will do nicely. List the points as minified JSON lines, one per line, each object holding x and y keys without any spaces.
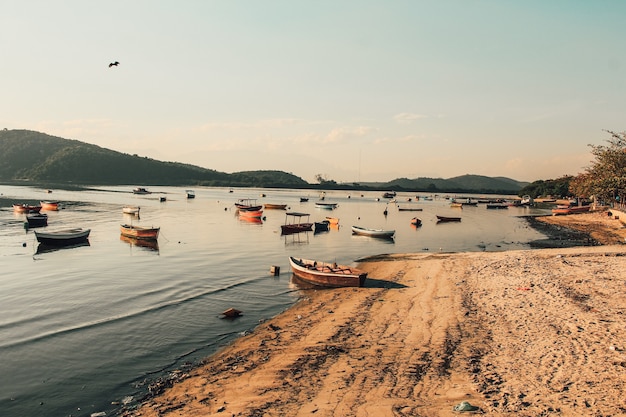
{"x":134,"y":210}
{"x":63,"y":236}
{"x":327,"y":206}
{"x":386,"y":234}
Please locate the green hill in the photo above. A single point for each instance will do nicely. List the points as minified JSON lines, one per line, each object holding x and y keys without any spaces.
{"x":33,"y":156}
{"x":29,"y":156}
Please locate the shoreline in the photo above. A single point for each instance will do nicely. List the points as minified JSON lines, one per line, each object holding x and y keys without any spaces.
{"x":531,"y":332}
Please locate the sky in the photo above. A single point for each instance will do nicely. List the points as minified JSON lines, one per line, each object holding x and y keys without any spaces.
{"x":352,"y":90}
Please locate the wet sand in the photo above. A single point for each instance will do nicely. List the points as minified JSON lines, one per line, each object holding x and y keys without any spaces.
{"x":525,"y":333}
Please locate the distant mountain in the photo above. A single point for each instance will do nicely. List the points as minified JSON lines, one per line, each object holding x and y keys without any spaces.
{"x":32,"y":156}
{"x":463,"y":184}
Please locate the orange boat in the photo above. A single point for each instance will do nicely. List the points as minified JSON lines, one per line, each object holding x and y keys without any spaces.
{"x":139,"y":232}
{"x":49,"y":205}
{"x":25,"y":208}
{"x":251,"y":213}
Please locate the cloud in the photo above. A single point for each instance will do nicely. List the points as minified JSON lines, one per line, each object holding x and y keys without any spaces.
{"x":408,"y":118}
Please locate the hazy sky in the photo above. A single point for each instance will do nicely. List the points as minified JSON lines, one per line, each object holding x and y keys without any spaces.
{"x":353,"y":90}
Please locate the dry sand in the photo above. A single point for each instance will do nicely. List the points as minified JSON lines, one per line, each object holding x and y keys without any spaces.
{"x":524,"y":333}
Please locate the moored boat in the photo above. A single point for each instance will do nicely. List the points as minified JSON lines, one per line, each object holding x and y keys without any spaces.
{"x":327,"y":206}
{"x":327,"y":274}
{"x":250,"y":213}
{"x":416,"y":222}
{"x":270,"y":206}
{"x":26,"y":208}
{"x":37,"y":220}
{"x":63,"y":236}
{"x":191,"y":193}
{"x":248,"y":204}
{"x":444,"y":219}
{"x":49,"y":205}
{"x":141,"y":190}
{"x":409,"y":208}
{"x":379,"y":233}
{"x":322,"y":226}
{"x":497,"y":206}
{"x":133,"y":210}
{"x":140,"y":232}
{"x":294,"y":223}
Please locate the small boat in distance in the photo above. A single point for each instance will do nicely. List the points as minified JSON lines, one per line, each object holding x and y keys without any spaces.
{"x":141,"y":190}
{"x":321,"y":226}
{"x":248,"y":204}
{"x":390,"y":194}
{"x":63,"y":236}
{"x":327,"y":274}
{"x":378,"y":233}
{"x":270,"y":206}
{"x":49,"y":205}
{"x":294,"y":223}
{"x":37,"y":220}
{"x":139,"y":232}
{"x":132,"y":210}
{"x":416,"y":222}
{"x":26,"y":208}
{"x":409,"y":208}
{"x":327,"y":206}
{"x":444,"y":219}
{"x":191,"y":193}
{"x":304,"y":199}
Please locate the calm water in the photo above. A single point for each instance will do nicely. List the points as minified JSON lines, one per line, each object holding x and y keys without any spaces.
{"x":83,"y":328}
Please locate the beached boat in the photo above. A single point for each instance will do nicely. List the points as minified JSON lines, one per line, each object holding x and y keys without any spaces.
{"x":294,"y":223}
{"x":190,"y":193}
{"x":132,"y":210}
{"x":26,"y":208}
{"x":49,"y":205}
{"x":140,"y":232}
{"x":37,"y":220}
{"x":416,"y":222}
{"x":497,"y":206}
{"x":327,"y":206}
{"x":141,"y":190}
{"x":444,"y":219}
{"x":563,"y":210}
{"x":270,"y":206}
{"x":379,"y":233}
{"x":327,"y":274}
{"x":63,"y":236}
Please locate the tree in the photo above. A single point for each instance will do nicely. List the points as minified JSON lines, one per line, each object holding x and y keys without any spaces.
{"x":606,"y":177}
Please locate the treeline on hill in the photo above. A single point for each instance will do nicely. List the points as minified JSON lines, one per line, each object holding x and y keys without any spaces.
{"x":29,"y":156}
{"x":558,"y":188}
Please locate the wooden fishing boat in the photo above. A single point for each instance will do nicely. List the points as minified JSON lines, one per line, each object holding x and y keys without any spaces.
{"x":327,"y":206}
{"x":270,"y":206}
{"x":141,"y":190}
{"x":444,"y":219}
{"x":49,"y":205}
{"x":37,"y":220}
{"x":132,"y":210}
{"x":327,"y":274}
{"x":63,"y":236}
{"x":294,"y":223}
{"x":140,"y":232}
{"x":322,"y":226}
{"x":26,"y":208}
{"x":248,"y":204}
{"x":379,"y":233}
{"x":406,"y":208}
{"x":564,"y":210}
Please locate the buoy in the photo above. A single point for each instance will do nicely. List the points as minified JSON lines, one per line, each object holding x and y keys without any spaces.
{"x":275,"y":270}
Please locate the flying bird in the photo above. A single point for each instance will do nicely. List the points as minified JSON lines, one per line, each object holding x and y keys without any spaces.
{"x":114,"y":63}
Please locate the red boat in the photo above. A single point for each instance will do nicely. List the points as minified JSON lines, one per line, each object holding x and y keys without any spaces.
{"x":49,"y":205}
{"x":25,"y":208}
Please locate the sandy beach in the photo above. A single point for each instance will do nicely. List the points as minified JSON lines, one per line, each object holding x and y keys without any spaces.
{"x":527,"y":333}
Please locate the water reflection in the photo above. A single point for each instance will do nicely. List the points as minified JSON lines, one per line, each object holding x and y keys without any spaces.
{"x":45,"y":248}
{"x":148,"y":244}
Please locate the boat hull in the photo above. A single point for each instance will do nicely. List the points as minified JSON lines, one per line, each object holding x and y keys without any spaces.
{"x":63,"y":237}
{"x":325,"y":274}
{"x":138,"y":232}
{"x":49,"y":205}
{"x":444,"y":219}
{"x":377,"y":233}
{"x":25,"y":208}
{"x":37,"y":220}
